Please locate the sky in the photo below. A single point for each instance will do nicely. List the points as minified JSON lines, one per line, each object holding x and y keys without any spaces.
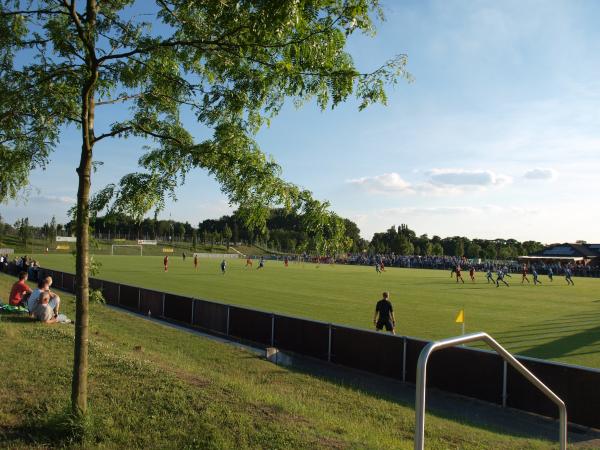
{"x":498,"y":136}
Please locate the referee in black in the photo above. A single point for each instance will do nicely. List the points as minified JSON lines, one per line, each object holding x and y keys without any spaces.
{"x":384,"y":315}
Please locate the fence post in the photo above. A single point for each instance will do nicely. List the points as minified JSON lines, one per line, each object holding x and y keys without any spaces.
{"x":504,"y":383}
{"x":227,"y":326}
{"x":272,"y":329}
{"x":193,"y":311}
{"x":329,"y":346}
{"x":118,"y":294}
{"x":403,"y":358}
{"x":139,"y":300}
{"x":163,"y":305}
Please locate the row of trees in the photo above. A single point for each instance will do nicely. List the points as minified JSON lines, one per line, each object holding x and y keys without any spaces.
{"x":285,"y":231}
{"x":25,"y":231}
{"x":404,"y":241}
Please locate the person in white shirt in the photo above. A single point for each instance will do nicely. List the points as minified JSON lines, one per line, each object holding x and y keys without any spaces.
{"x":44,"y":286}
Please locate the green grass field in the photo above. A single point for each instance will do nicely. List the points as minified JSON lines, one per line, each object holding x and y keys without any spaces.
{"x":551,"y":321}
{"x":152,"y":386}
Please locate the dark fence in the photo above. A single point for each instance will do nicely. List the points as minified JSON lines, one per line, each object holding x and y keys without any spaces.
{"x":470,"y":372}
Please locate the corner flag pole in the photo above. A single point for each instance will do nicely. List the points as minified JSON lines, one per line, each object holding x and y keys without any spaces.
{"x":460,"y":318}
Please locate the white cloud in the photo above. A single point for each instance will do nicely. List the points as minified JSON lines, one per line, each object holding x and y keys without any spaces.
{"x":63,"y":199}
{"x":385,"y":183}
{"x":464,"y":177}
{"x":540,"y":174}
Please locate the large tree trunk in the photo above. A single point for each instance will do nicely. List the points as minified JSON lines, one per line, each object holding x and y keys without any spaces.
{"x":80,"y":363}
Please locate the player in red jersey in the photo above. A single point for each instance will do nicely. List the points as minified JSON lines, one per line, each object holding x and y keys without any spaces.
{"x":248,"y":262}
{"x":472,"y":273}
{"x":286,"y":261}
{"x":524,"y":274}
{"x":166,"y":262}
{"x":195,"y":262}
{"x":458,"y":275}
{"x":382,"y":266}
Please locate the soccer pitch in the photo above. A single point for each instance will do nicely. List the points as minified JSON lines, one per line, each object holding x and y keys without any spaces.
{"x":551,"y":321}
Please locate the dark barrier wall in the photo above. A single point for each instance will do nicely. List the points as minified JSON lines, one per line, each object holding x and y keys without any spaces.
{"x":210,"y":316}
{"x":579,"y":388}
{"x":110,"y":291}
{"x":129,"y":297}
{"x":462,"y":370}
{"x":151,"y":303}
{"x":302,"y":336}
{"x":366,"y":350}
{"x":95,"y":284}
{"x":467,"y":372}
{"x":250,"y":325}
{"x":178,"y":308}
{"x":68,"y":282}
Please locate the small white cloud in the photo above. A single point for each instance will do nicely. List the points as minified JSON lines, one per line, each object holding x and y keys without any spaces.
{"x":541,"y":174}
{"x":64,"y":199}
{"x":386,"y":183}
{"x":464,"y":177}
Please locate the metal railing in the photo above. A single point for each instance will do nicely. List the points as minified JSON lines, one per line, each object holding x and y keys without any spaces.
{"x":481,"y":336}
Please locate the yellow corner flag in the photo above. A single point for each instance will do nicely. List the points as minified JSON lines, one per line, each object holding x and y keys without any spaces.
{"x":460,"y":318}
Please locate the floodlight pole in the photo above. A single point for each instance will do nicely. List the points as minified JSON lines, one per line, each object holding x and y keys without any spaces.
{"x":510,"y":359}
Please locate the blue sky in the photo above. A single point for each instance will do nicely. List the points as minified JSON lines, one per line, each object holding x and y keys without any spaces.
{"x":498,"y":135}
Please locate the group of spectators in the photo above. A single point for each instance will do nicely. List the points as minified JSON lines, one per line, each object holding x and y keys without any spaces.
{"x":42,"y":303}
{"x":20,"y":264}
{"x":446,"y":263}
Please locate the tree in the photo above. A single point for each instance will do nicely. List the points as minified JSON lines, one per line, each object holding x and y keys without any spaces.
{"x":227,"y":233}
{"x":437,"y":249}
{"x":459,"y":249}
{"x":231,"y":66}
{"x":23,"y":230}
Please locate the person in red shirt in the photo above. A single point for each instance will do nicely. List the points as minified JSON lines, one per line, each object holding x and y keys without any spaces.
{"x":166,"y":262}
{"x":472,"y":273}
{"x":458,"y":275}
{"x":524,"y":273}
{"x":19,"y":288}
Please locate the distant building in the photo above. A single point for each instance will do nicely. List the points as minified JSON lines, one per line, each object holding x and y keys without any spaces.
{"x":582,"y":254}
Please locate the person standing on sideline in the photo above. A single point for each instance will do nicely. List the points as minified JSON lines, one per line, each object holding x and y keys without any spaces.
{"x":166,"y":262}
{"x":195,"y":262}
{"x":384,"y":314}
{"x":183,"y":254}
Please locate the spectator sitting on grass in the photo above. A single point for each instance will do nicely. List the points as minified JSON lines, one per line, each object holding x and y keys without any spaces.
{"x":43,"y":312}
{"x":17,"y":295}
{"x":43,"y":286}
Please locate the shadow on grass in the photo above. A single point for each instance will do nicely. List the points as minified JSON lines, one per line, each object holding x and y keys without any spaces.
{"x":16,"y":318}
{"x":472,"y":412}
{"x":563,"y":336}
{"x":59,"y":429}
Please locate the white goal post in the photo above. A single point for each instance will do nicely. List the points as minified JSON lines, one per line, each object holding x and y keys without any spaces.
{"x":112,"y":247}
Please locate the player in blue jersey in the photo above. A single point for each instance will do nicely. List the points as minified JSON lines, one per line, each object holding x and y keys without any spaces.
{"x":500,"y":277}
{"x":488,"y":276}
{"x":223,"y":266}
{"x":550,"y":274}
{"x":535,"y":276}
{"x":568,"y":275}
